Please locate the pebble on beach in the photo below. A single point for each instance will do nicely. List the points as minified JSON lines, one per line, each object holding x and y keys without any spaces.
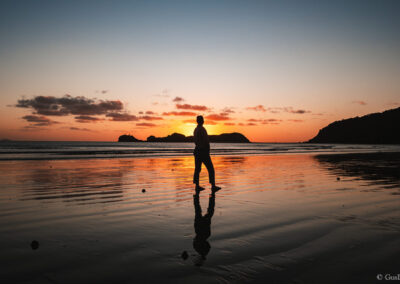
{"x":143,"y":190}
{"x":34,"y":244}
{"x":184,"y":255}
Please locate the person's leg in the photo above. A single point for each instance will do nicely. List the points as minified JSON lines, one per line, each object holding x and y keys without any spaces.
{"x":197,"y":170}
{"x":211,"y":173}
{"x":210,"y":168}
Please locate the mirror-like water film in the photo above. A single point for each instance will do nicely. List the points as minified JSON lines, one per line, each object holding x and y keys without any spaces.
{"x":278,"y":218}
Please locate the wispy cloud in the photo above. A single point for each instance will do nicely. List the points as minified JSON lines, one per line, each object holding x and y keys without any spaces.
{"x":180,"y":113}
{"x":80,"y":129}
{"x":191,"y":107}
{"x":87,"y":118}
{"x":257,"y":108}
{"x":359,"y":102}
{"x":178,"y":99}
{"x":218,"y":117}
{"x":229,"y":123}
{"x":228,"y":111}
{"x":146,"y":124}
{"x":148,"y":117}
{"x":116,"y":116}
{"x":39,"y":120}
{"x":164,"y":94}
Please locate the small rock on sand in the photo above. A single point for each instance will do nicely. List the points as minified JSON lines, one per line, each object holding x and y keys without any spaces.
{"x":184,"y":255}
{"x":34,"y":244}
{"x":143,"y":190}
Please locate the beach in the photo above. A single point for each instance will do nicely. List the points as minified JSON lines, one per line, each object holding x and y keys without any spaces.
{"x":281,"y":218}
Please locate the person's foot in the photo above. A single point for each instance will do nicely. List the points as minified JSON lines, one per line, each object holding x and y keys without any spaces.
{"x":199,"y":188}
{"x":215,"y":188}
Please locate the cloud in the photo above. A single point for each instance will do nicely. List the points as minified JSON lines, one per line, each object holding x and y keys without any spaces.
{"x":178,"y":100}
{"x":117,"y":116}
{"x":80,"y":129}
{"x":192,"y":107}
{"x":53,"y":106}
{"x":286,"y":109}
{"x":251,"y":124}
{"x":146,"y":124}
{"x":87,"y":118}
{"x":218,"y":117}
{"x":296,"y":120}
{"x":39,"y":120}
{"x":271,"y":121}
{"x":147,"y":117}
{"x":299,"y":111}
{"x":228,"y":111}
{"x":164,"y":94}
{"x":149,"y":112}
{"x":229,"y":123}
{"x":362,"y":103}
{"x":180,"y":113}
{"x":257,"y":108}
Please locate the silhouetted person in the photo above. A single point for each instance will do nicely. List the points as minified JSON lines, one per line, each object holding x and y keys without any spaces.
{"x":202,"y":227}
{"x":202,"y":156}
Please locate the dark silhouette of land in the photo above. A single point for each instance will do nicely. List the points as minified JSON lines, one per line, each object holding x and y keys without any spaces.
{"x":177,"y":137}
{"x":128,"y":138}
{"x":202,"y":228}
{"x":375,"y":128}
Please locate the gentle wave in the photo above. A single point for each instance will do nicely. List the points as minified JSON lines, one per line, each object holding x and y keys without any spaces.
{"x":36,"y":150}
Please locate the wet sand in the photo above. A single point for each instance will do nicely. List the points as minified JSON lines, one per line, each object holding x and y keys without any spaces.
{"x":277,"y":219}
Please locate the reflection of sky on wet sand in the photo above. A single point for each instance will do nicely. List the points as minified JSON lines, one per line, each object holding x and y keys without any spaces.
{"x":91,"y":215}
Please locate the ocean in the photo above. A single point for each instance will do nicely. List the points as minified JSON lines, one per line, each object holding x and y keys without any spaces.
{"x":51,"y":150}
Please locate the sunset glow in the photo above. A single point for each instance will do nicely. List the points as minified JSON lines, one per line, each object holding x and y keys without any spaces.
{"x":266,"y":70}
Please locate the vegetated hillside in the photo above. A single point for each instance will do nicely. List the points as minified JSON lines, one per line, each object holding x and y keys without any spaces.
{"x":375,"y":128}
{"x":221,"y":138}
{"x":176,"y":137}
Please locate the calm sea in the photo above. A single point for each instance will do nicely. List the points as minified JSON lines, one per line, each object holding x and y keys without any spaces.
{"x":37,"y":150}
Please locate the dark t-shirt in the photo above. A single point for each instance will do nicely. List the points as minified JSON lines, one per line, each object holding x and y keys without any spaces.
{"x":201,"y":140}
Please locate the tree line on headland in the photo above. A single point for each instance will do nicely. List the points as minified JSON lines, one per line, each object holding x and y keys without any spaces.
{"x":177,"y":137}
{"x":374,"y":128}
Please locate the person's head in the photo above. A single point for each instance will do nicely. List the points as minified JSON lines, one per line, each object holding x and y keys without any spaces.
{"x":200,"y":120}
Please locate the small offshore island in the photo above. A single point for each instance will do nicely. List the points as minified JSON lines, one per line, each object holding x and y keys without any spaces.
{"x":234,"y":137}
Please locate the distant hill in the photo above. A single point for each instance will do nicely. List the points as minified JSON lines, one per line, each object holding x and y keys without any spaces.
{"x":375,"y":128}
{"x":128,"y":138}
{"x":177,"y":137}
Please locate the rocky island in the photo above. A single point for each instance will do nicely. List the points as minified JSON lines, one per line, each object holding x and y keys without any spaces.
{"x":375,"y":128}
{"x":177,"y":137}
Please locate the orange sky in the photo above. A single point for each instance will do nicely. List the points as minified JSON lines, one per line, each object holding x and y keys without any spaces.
{"x":274,"y":72}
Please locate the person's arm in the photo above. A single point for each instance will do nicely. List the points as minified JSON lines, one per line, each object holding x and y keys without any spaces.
{"x":205,"y":139}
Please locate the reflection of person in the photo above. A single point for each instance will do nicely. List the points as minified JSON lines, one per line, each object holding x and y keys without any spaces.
{"x":202,"y":227}
{"x":202,"y":156}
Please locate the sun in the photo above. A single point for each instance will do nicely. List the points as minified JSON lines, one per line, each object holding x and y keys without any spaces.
{"x":187,"y":128}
